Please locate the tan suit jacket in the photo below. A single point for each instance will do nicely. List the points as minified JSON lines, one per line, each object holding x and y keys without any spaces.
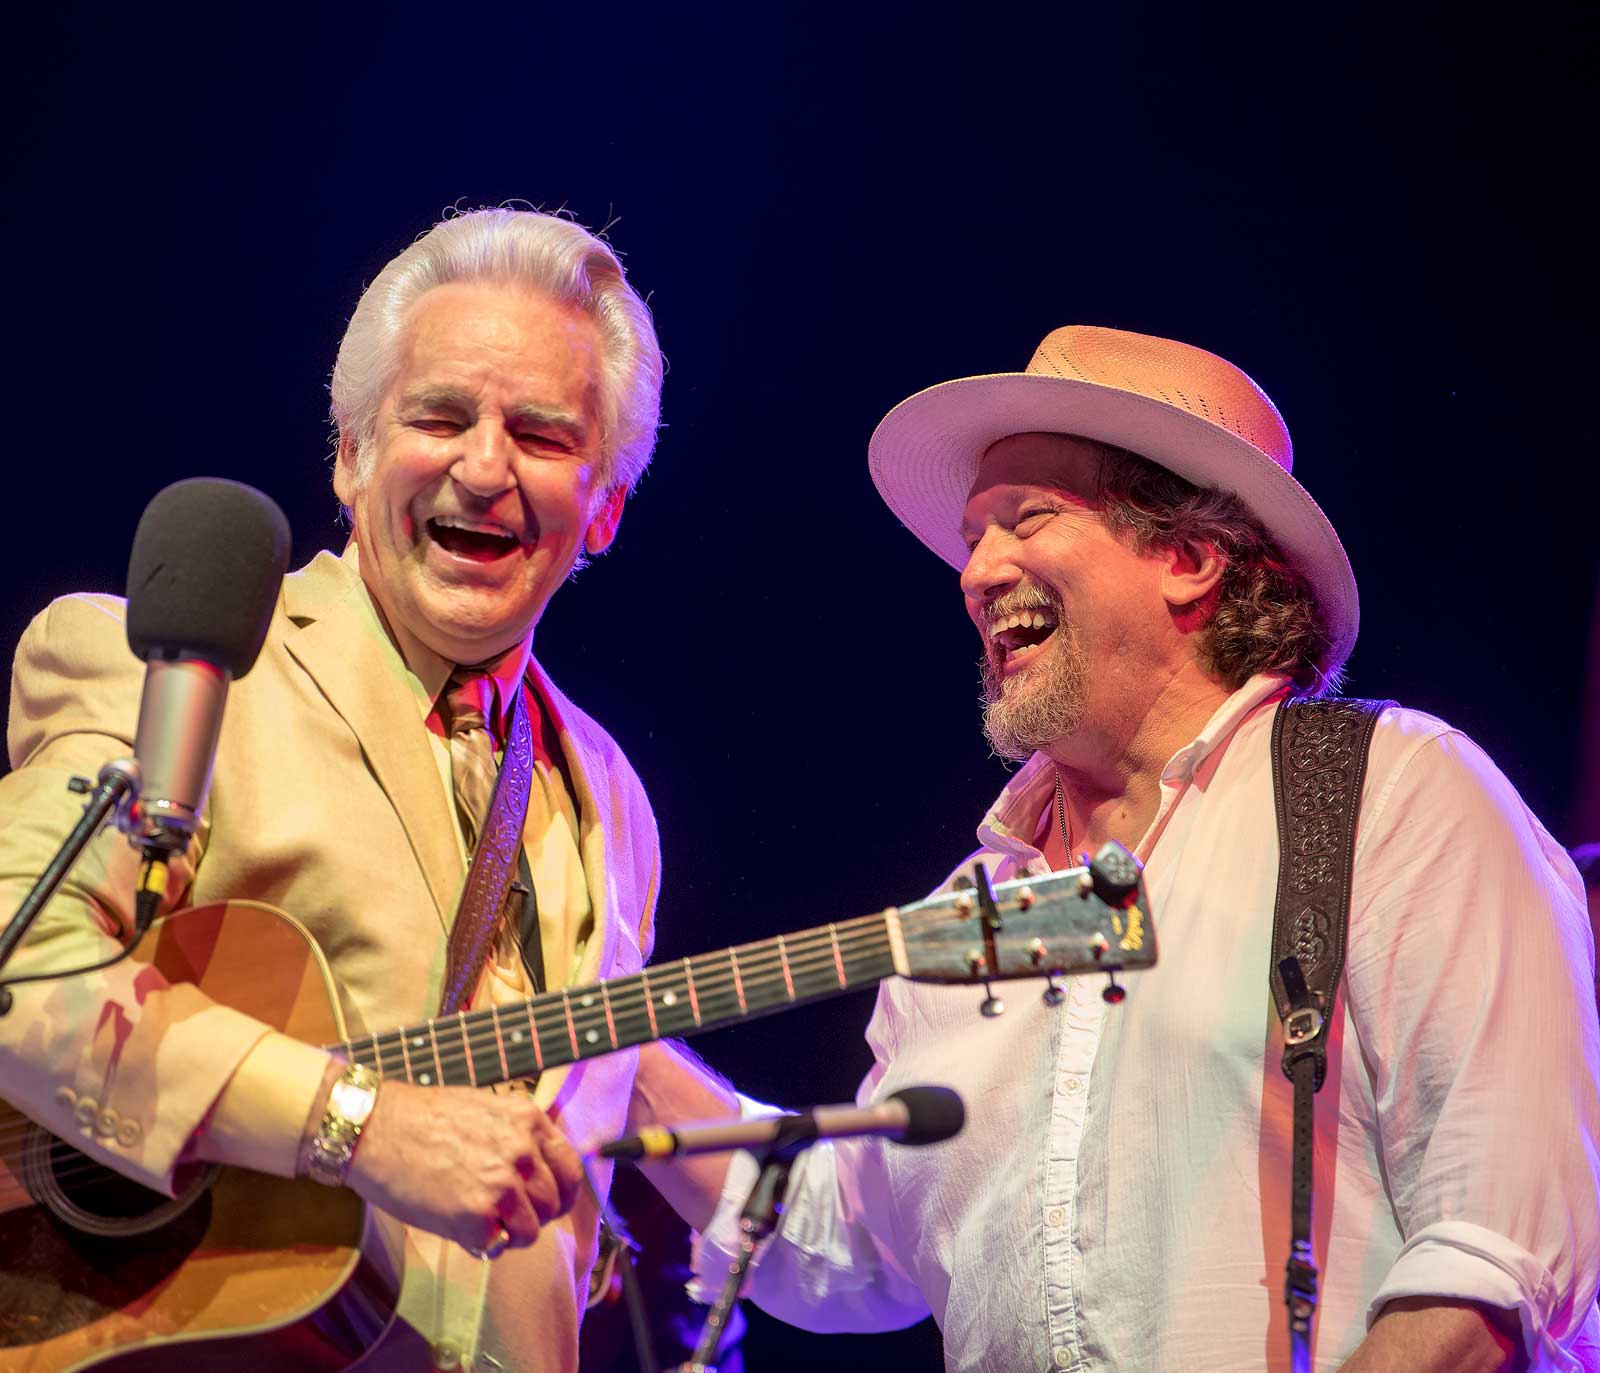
{"x":326,"y":801}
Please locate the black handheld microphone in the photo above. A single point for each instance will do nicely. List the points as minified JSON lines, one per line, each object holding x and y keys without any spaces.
{"x":208,"y":560}
{"x":914,"y":1115}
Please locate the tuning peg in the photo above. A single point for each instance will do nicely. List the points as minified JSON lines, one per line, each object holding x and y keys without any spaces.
{"x":1115,"y":873}
{"x":992,"y":1005}
{"x":1052,"y":994}
{"x":1113,"y":993}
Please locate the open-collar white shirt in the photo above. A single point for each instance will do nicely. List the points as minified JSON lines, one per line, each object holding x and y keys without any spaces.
{"x":1119,"y":1198}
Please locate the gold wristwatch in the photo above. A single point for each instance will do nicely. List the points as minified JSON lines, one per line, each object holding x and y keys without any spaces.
{"x":328,"y":1156}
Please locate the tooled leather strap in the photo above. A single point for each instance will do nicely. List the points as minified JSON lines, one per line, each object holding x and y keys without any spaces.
{"x":494,"y":866}
{"x":1319,"y":760}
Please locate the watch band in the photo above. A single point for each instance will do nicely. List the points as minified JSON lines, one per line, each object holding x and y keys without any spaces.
{"x":327,"y":1157}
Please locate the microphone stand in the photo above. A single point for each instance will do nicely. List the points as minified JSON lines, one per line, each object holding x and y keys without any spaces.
{"x":762,"y":1210}
{"x":118,"y":780}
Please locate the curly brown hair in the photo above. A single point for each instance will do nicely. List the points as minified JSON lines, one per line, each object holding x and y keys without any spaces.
{"x":1266,"y":617}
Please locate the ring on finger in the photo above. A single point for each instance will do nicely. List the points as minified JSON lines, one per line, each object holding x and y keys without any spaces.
{"x":496,"y":1247}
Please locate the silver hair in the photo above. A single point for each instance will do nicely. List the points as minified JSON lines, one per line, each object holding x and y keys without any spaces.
{"x":524,"y":248}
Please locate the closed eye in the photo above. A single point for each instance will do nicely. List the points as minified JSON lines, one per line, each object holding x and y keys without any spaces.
{"x":1029,"y":521}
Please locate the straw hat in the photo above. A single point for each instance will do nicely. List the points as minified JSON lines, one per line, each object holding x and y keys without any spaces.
{"x":1187,"y":409}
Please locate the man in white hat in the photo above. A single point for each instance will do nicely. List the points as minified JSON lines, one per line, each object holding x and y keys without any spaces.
{"x":1149,"y":583}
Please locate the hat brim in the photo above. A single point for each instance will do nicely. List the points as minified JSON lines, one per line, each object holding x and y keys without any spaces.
{"x":924,"y":456}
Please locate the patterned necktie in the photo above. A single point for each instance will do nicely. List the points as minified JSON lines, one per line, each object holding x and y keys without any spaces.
{"x":467,"y":709}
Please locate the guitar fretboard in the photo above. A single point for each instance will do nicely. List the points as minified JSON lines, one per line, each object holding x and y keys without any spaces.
{"x":479,"y":1048}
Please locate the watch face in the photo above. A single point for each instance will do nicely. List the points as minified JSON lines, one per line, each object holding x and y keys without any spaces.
{"x":352,"y":1102}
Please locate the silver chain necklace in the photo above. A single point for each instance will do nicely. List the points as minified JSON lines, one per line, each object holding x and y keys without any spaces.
{"x":1061,"y":817}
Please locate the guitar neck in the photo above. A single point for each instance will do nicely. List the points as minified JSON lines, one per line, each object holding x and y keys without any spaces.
{"x":480,"y":1048}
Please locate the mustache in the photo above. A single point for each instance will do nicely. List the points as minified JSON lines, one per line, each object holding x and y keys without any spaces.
{"x":1025,"y":597}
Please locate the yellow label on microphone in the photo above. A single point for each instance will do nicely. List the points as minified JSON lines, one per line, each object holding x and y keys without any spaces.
{"x":657,"y":1142}
{"x":153,"y":876}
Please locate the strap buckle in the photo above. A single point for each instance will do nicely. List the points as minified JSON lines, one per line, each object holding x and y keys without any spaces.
{"x":1302,"y":1026}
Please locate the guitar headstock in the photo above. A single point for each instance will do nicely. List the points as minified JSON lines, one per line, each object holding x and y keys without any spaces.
{"x":1093,"y":919}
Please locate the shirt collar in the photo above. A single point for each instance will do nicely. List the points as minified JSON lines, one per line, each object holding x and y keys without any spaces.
{"x":1012,"y":824}
{"x":432,"y":672}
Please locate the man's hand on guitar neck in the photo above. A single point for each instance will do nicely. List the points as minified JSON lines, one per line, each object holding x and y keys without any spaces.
{"x":461,"y":1163}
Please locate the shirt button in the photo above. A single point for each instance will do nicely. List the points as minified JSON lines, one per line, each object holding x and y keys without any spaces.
{"x":446,"y":1356}
{"x":1056,"y":1216}
{"x":1072,"y":1086}
{"x":128,"y":1133}
{"x":1062,"y":1357}
{"x":106,"y":1122}
{"x":86,"y":1112}
{"x":65,"y":1096}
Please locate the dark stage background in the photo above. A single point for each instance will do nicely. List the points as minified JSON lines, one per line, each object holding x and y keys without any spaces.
{"x":1378,"y":215}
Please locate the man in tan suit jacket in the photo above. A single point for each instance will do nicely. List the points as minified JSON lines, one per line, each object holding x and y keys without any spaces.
{"x":497,"y":396}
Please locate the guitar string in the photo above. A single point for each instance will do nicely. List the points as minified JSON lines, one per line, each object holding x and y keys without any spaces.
{"x":756,"y":972}
{"x":455,"y":1059}
{"x":760,"y":971}
{"x":809,"y":953}
{"x":548,"y":1015}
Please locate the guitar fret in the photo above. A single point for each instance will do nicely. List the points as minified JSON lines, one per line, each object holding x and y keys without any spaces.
{"x":738,"y":981}
{"x":472,"y":1070}
{"x":611,"y":1024}
{"x":426,"y":1079}
{"x":500,"y":1044}
{"x":649,"y":1004}
{"x":838,"y":957}
{"x":788,"y":980}
{"x":405,"y":1056}
{"x":572,"y":1030}
{"x":694,"y":996}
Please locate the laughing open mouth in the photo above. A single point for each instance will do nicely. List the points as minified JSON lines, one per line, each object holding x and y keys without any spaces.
{"x":1021,"y":629}
{"x":480,"y":541}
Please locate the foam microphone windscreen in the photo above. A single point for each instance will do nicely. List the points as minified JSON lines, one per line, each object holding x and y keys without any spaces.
{"x":208,"y":559}
{"x":932,"y":1114}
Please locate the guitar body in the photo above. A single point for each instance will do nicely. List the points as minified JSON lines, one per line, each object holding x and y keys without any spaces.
{"x":242,"y":1271}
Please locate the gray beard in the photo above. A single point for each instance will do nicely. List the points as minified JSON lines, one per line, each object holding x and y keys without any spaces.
{"x":1040,"y":705}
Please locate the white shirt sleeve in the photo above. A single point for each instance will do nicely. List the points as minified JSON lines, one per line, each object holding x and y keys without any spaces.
{"x":1470,"y":979}
{"x":826,"y":1269}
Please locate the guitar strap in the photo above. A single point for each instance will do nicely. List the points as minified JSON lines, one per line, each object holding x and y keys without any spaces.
{"x":1319,"y":758}
{"x":499,"y":883}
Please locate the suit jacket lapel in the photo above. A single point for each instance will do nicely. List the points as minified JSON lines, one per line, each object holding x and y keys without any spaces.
{"x":340,"y":642}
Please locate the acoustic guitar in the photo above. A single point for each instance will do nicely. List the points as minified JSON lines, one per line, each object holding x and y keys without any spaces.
{"x":242,"y":1272}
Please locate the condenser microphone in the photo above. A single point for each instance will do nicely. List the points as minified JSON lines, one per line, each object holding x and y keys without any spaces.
{"x":914,"y":1115}
{"x":207,"y":563}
